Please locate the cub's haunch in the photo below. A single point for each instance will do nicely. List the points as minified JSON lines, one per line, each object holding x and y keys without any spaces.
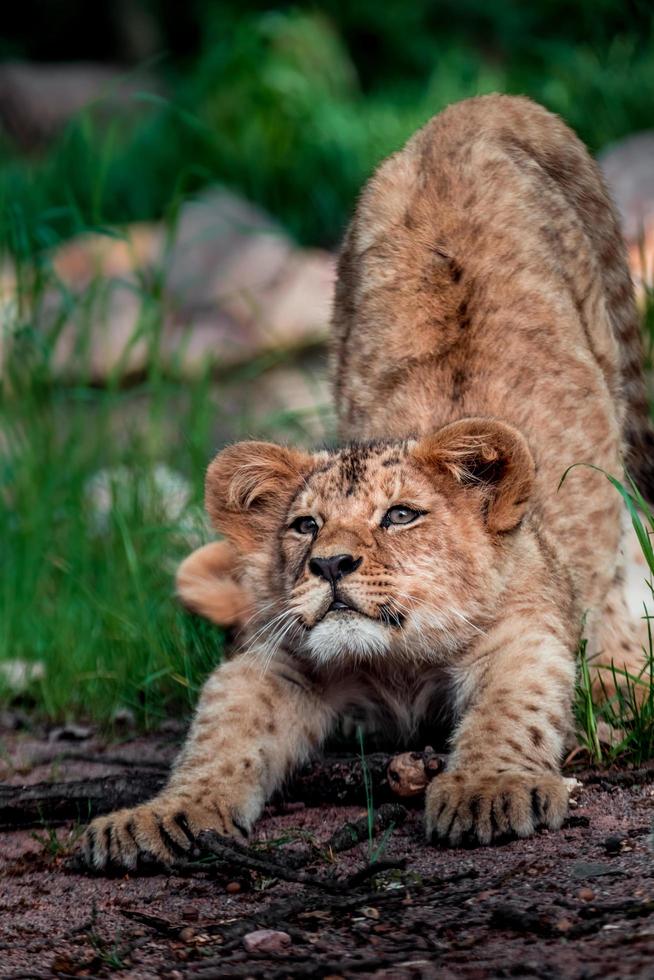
{"x":485,"y":339}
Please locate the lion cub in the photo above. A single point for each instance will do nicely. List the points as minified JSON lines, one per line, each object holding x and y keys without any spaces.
{"x":484,"y":340}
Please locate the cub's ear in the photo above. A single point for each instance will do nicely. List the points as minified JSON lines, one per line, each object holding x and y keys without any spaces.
{"x":491,"y":458}
{"x":249,"y":487}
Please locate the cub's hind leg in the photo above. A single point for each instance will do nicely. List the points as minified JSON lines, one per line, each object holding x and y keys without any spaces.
{"x":619,"y":638}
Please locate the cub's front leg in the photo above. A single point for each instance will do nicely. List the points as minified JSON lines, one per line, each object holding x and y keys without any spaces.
{"x":250,"y":730}
{"x":503,"y":777}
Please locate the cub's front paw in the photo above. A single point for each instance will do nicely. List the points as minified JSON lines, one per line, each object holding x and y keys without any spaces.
{"x":479,"y":808}
{"x":157,"y":832}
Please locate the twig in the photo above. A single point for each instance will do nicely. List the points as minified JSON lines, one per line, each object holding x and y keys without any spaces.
{"x":163,"y":926}
{"x":56,"y":803}
{"x":333,"y":780}
{"x":234,"y":855}
{"x":370,"y":870}
{"x":625,"y":777}
{"x":352,"y":833}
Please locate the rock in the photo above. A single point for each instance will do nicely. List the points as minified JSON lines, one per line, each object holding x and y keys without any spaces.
{"x":123,"y":718}
{"x":608,"y":735}
{"x":162,"y":493}
{"x":231,"y":286}
{"x":613,"y":845}
{"x":70,"y":733}
{"x":563,"y":925}
{"x":628,"y":167}
{"x":592,"y":869}
{"x":14,"y":720}
{"x":267,"y":942}
{"x":17,"y":674}
{"x":37,"y":100}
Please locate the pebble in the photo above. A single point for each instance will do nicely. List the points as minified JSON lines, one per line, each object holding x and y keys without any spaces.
{"x":267,"y":941}
{"x":70,"y":733}
{"x":613,"y":845}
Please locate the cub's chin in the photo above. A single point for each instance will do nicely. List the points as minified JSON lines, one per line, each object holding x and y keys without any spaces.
{"x":343,"y":635}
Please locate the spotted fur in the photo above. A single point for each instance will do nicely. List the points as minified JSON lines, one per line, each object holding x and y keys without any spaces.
{"x":485,"y":340}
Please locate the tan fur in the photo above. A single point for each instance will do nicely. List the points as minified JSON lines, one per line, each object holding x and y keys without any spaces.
{"x":485,"y":336}
{"x":207,"y":585}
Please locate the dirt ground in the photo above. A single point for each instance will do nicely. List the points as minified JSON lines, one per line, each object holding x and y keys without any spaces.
{"x":577,"y":903}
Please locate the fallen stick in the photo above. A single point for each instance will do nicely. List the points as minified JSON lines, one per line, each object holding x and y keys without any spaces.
{"x":49,"y":804}
{"x":233,"y":855}
{"x":350,"y":834}
{"x":334,"y":780}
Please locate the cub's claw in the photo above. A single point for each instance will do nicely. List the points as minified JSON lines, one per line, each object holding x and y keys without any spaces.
{"x":480,"y":808}
{"x":159,"y":832}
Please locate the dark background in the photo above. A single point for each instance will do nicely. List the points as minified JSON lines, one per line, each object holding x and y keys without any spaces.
{"x":293,"y":104}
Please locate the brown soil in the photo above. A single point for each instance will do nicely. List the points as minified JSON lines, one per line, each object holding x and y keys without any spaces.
{"x":577,"y":903}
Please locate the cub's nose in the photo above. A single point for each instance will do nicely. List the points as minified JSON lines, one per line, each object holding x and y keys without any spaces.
{"x":334,"y":567}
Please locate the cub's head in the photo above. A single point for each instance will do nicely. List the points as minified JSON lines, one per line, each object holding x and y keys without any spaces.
{"x":383,"y":550}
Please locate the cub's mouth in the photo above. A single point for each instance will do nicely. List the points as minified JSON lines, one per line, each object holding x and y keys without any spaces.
{"x":339,"y":605}
{"x":386,"y":615}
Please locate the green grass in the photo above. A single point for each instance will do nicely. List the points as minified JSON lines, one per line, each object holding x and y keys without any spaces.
{"x":293,"y":108}
{"x":629,"y":712}
{"x":86,"y":597}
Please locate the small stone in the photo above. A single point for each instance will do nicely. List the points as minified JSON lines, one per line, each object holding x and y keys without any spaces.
{"x":267,"y":942}
{"x":232,"y":888}
{"x":70,"y":733}
{"x":613,"y":845}
{"x":123,"y":718}
{"x":186,"y":934}
{"x":62,"y":964}
{"x":17,"y":674}
{"x":586,"y":894}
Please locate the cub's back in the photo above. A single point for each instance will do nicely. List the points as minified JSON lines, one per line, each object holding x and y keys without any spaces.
{"x":484,"y":274}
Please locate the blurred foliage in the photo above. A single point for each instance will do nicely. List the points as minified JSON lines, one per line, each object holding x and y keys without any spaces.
{"x":294,"y":106}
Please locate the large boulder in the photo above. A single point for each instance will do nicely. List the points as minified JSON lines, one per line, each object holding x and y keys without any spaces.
{"x":628,"y":167}
{"x":222,"y":286}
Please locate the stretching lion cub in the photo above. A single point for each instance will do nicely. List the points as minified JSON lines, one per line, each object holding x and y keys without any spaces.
{"x":485,"y":339}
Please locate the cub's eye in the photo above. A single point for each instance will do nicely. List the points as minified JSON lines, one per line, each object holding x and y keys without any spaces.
{"x":305,"y":525}
{"x":400,"y":515}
